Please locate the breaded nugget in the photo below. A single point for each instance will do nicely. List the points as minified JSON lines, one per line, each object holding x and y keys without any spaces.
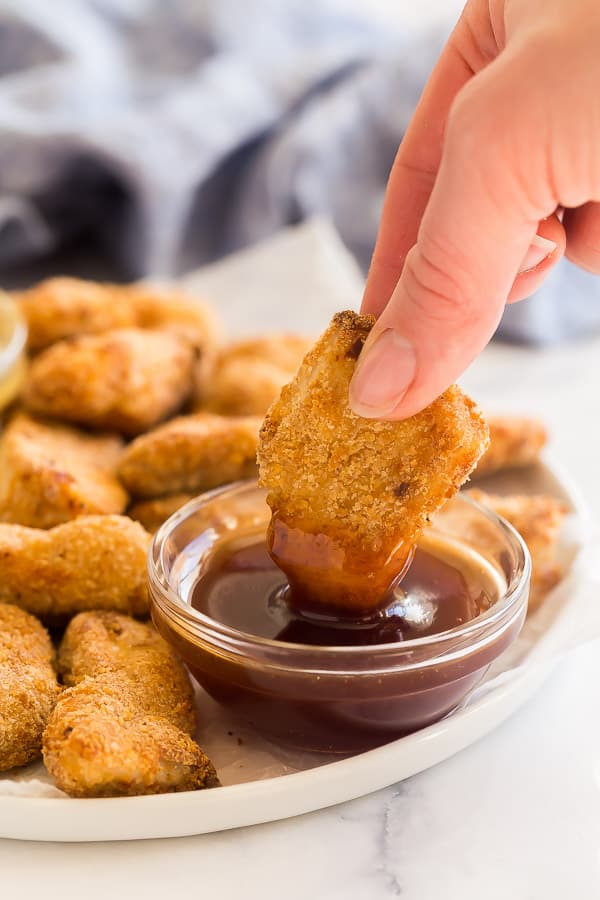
{"x":51,"y":473}
{"x":124,"y":727}
{"x":246,"y":376}
{"x":93,"y":562}
{"x":285,"y":350}
{"x":152,"y":513}
{"x":65,"y":307}
{"x":538,"y":519}
{"x":28,"y":686}
{"x":514,"y":441}
{"x":100,"y":743}
{"x":190,"y":454}
{"x":61,"y":308}
{"x":170,"y":309}
{"x":103,"y":641}
{"x":360,"y":489}
{"x":127,"y":380}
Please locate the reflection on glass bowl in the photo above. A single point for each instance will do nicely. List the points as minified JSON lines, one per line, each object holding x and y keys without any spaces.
{"x":13,"y":336}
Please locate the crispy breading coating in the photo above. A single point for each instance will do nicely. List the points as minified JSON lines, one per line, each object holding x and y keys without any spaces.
{"x":514,"y":441}
{"x":538,"y":518}
{"x":170,"y":309}
{"x":190,"y":454}
{"x":103,"y":641}
{"x":61,"y":308}
{"x":246,"y":376}
{"x":124,"y":726}
{"x":93,"y":562}
{"x":283,"y":349}
{"x":152,"y":513}
{"x":51,"y":473}
{"x":65,"y":307}
{"x":28,"y":686}
{"x":363,"y":489}
{"x":127,"y":380}
{"x":100,"y":743}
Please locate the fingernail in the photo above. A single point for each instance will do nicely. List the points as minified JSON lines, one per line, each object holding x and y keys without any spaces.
{"x":386,"y":367}
{"x":539,"y":250}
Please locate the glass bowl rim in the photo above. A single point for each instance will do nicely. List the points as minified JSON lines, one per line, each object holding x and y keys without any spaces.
{"x":501,"y":614}
{"x":11,"y":350}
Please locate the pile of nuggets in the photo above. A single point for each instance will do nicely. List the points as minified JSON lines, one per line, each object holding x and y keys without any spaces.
{"x":132,"y":404}
{"x":130,"y":407}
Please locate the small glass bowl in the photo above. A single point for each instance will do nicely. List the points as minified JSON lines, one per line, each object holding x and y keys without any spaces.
{"x":331,"y":699}
{"x":13,"y":336}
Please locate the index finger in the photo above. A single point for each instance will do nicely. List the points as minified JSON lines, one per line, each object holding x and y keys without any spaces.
{"x":414,"y":171}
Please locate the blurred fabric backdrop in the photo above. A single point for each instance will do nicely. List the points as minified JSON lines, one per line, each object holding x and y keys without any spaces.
{"x":149,"y":137}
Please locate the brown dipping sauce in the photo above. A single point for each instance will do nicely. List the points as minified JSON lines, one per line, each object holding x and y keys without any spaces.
{"x":244,"y":589}
{"x":241,"y":587}
{"x":337,"y":684}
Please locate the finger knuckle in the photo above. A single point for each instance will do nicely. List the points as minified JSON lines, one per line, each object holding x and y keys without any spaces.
{"x":433,"y":291}
{"x":532,"y":140}
{"x":492,"y":131}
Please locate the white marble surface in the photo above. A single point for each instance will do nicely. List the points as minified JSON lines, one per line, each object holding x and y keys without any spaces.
{"x":515,"y":816}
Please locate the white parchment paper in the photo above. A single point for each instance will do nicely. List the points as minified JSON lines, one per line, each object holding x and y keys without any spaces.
{"x":295,"y":282}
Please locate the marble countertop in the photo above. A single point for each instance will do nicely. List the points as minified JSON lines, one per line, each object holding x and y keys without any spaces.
{"x":516,"y":815}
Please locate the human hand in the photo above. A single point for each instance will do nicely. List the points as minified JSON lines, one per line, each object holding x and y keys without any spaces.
{"x":506,"y":133}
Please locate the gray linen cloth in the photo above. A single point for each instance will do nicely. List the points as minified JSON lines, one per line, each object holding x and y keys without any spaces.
{"x":164,"y":134}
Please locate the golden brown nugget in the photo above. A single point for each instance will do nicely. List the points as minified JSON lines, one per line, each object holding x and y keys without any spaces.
{"x":65,"y":307}
{"x":169,"y":309}
{"x":152,"y":513}
{"x":93,"y":562}
{"x":100,"y":742}
{"x":247,"y":376}
{"x":124,"y":726}
{"x":191,"y":454}
{"x":515,"y":441}
{"x":52,"y":473}
{"x":28,"y":686}
{"x":61,"y":308}
{"x":350,"y":495}
{"x":538,"y":518}
{"x":103,"y":641}
{"x":127,"y":380}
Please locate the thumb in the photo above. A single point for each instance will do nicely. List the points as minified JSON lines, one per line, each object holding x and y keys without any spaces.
{"x":477,"y":234}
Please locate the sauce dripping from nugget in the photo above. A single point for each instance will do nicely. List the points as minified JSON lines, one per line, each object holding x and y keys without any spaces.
{"x":326,"y":579}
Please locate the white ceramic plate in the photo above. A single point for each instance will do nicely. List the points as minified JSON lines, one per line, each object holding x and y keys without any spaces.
{"x":173,"y":815}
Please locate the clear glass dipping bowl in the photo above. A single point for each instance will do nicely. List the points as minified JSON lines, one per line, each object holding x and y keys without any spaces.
{"x":331,"y":699}
{"x":13,"y":336}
